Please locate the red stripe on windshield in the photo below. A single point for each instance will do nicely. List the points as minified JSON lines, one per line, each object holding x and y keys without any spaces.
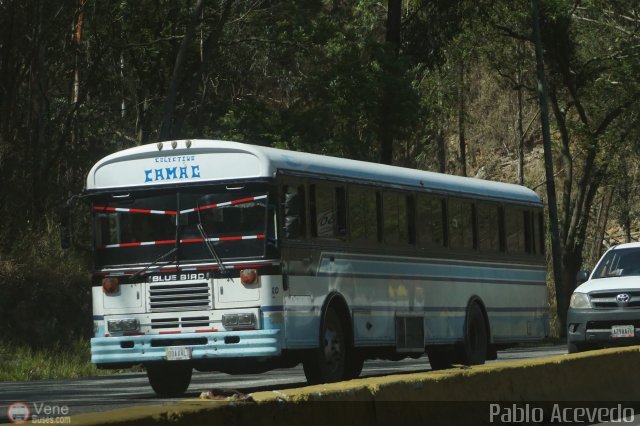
{"x":243,"y":200}
{"x":128,"y":210}
{"x":186,"y":241}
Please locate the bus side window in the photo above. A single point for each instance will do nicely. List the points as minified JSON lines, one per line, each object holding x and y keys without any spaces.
{"x":488,"y":227}
{"x":322,"y":211}
{"x":341,"y":213}
{"x":410,"y":202}
{"x":537,"y":232}
{"x":395,"y":218}
{"x":294,"y":211}
{"x":540,"y":233}
{"x":328,"y":211}
{"x":514,"y":230}
{"x":363,"y":214}
{"x":460,"y":224}
{"x":529,"y":235}
{"x":430,"y":216}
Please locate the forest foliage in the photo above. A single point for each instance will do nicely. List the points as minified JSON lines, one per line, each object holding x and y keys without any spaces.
{"x":440,"y":85}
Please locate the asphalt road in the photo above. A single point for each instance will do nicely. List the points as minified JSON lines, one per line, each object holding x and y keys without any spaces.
{"x":123,"y":390}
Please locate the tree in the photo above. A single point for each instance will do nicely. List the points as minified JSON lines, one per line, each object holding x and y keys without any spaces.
{"x":593,"y":112}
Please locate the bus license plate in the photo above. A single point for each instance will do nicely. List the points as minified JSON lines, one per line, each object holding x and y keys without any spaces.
{"x":178,"y":353}
{"x":623,"y":331}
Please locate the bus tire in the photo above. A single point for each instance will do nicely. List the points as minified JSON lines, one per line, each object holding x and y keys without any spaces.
{"x":475,"y":346}
{"x":169,"y":380}
{"x":440,"y":358}
{"x":328,"y":363}
{"x":355,"y":362}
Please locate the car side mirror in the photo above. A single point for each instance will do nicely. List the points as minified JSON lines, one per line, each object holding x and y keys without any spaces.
{"x":582,"y":276}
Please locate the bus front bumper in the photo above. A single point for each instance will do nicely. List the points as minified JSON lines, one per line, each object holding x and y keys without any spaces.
{"x":130,"y":350}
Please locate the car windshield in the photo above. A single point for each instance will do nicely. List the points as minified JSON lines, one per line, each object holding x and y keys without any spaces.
{"x":137,"y":229}
{"x":618,"y":263}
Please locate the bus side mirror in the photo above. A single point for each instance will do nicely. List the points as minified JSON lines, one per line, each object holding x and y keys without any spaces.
{"x":582,"y":277}
{"x":292,"y":221}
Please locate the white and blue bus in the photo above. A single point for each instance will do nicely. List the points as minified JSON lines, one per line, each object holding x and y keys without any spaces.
{"x":223,"y":256}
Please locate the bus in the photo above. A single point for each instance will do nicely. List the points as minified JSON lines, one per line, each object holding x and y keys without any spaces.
{"x":223,"y":256}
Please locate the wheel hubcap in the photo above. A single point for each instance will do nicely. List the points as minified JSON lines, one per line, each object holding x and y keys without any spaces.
{"x":332,"y":348}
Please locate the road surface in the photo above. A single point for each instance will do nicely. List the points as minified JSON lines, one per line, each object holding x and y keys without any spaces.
{"x":124,"y":390}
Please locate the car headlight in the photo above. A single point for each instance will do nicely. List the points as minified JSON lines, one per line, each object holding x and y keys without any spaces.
{"x":580,"y":301}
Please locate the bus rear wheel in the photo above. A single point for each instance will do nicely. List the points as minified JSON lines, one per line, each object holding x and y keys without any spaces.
{"x":355,"y":363}
{"x":169,"y":380}
{"x":474,"y":349}
{"x":328,"y":363}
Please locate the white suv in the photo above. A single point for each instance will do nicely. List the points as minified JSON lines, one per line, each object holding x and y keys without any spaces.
{"x":605,"y":310}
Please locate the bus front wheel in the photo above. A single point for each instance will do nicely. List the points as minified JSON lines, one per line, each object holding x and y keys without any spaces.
{"x":440,"y":358}
{"x":327,"y":363}
{"x":169,"y":380}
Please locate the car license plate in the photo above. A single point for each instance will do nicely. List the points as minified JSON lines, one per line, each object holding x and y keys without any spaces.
{"x":178,"y":353}
{"x":622,"y":331}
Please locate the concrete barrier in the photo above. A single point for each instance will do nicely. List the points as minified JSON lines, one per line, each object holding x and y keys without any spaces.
{"x":465,"y":395}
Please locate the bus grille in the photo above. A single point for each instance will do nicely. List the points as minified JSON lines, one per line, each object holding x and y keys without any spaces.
{"x":189,"y":296}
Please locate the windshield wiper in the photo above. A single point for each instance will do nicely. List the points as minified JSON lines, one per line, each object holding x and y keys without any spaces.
{"x":146,"y":268}
{"x":211,"y":249}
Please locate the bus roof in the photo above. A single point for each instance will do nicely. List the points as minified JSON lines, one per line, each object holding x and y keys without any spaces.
{"x":192,"y":161}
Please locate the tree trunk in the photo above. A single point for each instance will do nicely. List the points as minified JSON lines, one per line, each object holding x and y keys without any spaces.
{"x":461,"y":121}
{"x":558,"y":274}
{"x":195,"y":79}
{"x":519,"y":127}
{"x":394,"y":20}
{"x":441,"y":151}
{"x":77,"y":40}
{"x":166,"y":130}
{"x":600,"y":227}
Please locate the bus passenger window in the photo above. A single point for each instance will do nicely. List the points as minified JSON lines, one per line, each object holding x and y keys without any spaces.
{"x":430,"y":223}
{"x":460,"y":224}
{"x":323,"y":211}
{"x":535,"y":244}
{"x":529,"y":243}
{"x":294,"y":214}
{"x":540,"y":232}
{"x":341,"y":213}
{"x":488,"y":227}
{"x":394,"y":215}
{"x":363,"y":217}
{"x":514,"y":230}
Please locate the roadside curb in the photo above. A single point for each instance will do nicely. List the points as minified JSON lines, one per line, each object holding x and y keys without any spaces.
{"x":461,"y":395}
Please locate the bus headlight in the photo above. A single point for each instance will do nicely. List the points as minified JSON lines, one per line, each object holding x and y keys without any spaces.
{"x":123,"y":325}
{"x":580,"y":301}
{"x":239,"y":320}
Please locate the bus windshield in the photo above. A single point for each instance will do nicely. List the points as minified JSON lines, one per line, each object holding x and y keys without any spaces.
{"x":137,"y":229}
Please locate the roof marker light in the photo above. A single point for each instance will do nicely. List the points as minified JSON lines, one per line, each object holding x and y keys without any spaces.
{"x":159,"y":145}
{"x":174,"y":144}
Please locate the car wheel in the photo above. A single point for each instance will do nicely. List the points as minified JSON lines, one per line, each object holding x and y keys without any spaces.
{"x":572,"y":348}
